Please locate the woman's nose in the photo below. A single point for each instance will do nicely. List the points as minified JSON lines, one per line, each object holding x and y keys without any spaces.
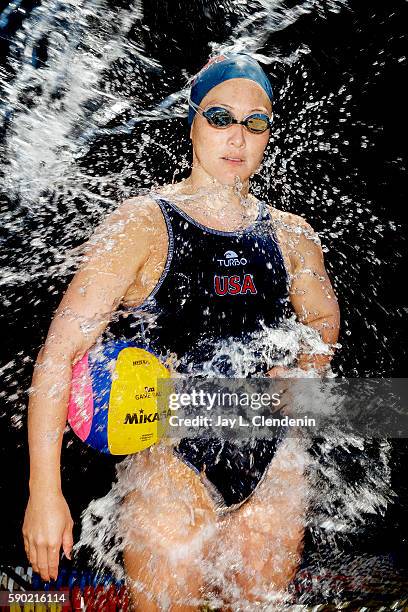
{"x":236,"y":134}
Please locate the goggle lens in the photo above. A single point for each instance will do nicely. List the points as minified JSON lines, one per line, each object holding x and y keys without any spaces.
{"x":257,"y":124}
{"x":219,"y":117}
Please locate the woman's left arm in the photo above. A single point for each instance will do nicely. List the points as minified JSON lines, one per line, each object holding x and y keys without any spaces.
{"x":311,"y":293}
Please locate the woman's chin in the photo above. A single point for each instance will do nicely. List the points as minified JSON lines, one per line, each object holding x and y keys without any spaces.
{"x":231,"y":179}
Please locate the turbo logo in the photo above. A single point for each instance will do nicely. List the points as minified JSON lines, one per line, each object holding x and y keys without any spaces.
{"x":233,"y":284}
{"x":231,"y":259}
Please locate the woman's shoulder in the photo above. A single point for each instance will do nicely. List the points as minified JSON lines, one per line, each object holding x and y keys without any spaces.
{"x":138,"y":208}
{"x":136,"y":219}
{"x":296,"y":237}
{"x":290,"y":223}
{"x":288,"y":220}
{"x":134,"y":216}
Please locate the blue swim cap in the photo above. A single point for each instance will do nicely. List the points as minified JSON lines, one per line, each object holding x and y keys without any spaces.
{"x":222,"y":68}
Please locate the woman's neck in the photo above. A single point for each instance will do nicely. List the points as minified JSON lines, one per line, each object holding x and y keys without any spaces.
{"x":215,"y":195}
{"x":215,"y":205}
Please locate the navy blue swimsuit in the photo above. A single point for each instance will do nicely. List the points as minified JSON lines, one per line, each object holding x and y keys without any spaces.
{"x":215,"y":286}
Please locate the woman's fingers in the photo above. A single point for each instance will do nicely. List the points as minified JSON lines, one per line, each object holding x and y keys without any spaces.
{"x":26,"y":547}
{"x":42,"y":561}
{"x":32,"y":556}
{"x":67,"y":541}
{"x":277,"y":371}
{"x":53,"y":561}
{"x":284,"y":388}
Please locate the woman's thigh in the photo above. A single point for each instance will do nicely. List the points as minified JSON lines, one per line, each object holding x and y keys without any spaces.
{"x":168,"y":524}
{"x":264,"y":537}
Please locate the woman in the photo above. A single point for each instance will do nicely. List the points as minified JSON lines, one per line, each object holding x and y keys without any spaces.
{"x":196,"y":259}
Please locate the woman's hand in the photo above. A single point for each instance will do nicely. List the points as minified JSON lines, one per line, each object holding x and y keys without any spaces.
{"x":47,"y":526}
{"x":278,"y":372}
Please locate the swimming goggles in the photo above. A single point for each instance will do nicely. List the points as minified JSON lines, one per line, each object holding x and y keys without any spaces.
{"x":222,"y":118}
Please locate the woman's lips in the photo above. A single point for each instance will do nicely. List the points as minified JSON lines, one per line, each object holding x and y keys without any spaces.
{"x":234,"y":161}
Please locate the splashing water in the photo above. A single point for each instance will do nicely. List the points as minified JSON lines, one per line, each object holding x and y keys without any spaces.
{"x":91,"y":117}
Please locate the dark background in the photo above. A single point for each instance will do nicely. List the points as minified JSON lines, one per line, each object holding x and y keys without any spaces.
{"x":367,"y":264}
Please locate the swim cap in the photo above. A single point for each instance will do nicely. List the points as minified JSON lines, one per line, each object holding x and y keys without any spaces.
{"x":222,"y":68}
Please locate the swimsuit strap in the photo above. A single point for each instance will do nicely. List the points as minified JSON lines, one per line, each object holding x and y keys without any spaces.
{"x":180,"y":212}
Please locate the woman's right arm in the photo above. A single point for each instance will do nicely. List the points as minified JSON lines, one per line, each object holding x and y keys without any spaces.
{"x":113,"y":259}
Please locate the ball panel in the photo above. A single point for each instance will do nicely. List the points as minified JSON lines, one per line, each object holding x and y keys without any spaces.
{"x":133,"y":414}
{"x":80,"y":405}
{"x":101,"y":365}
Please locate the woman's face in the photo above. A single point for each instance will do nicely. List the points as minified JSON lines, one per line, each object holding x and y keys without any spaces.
{"x":211,"y":146}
